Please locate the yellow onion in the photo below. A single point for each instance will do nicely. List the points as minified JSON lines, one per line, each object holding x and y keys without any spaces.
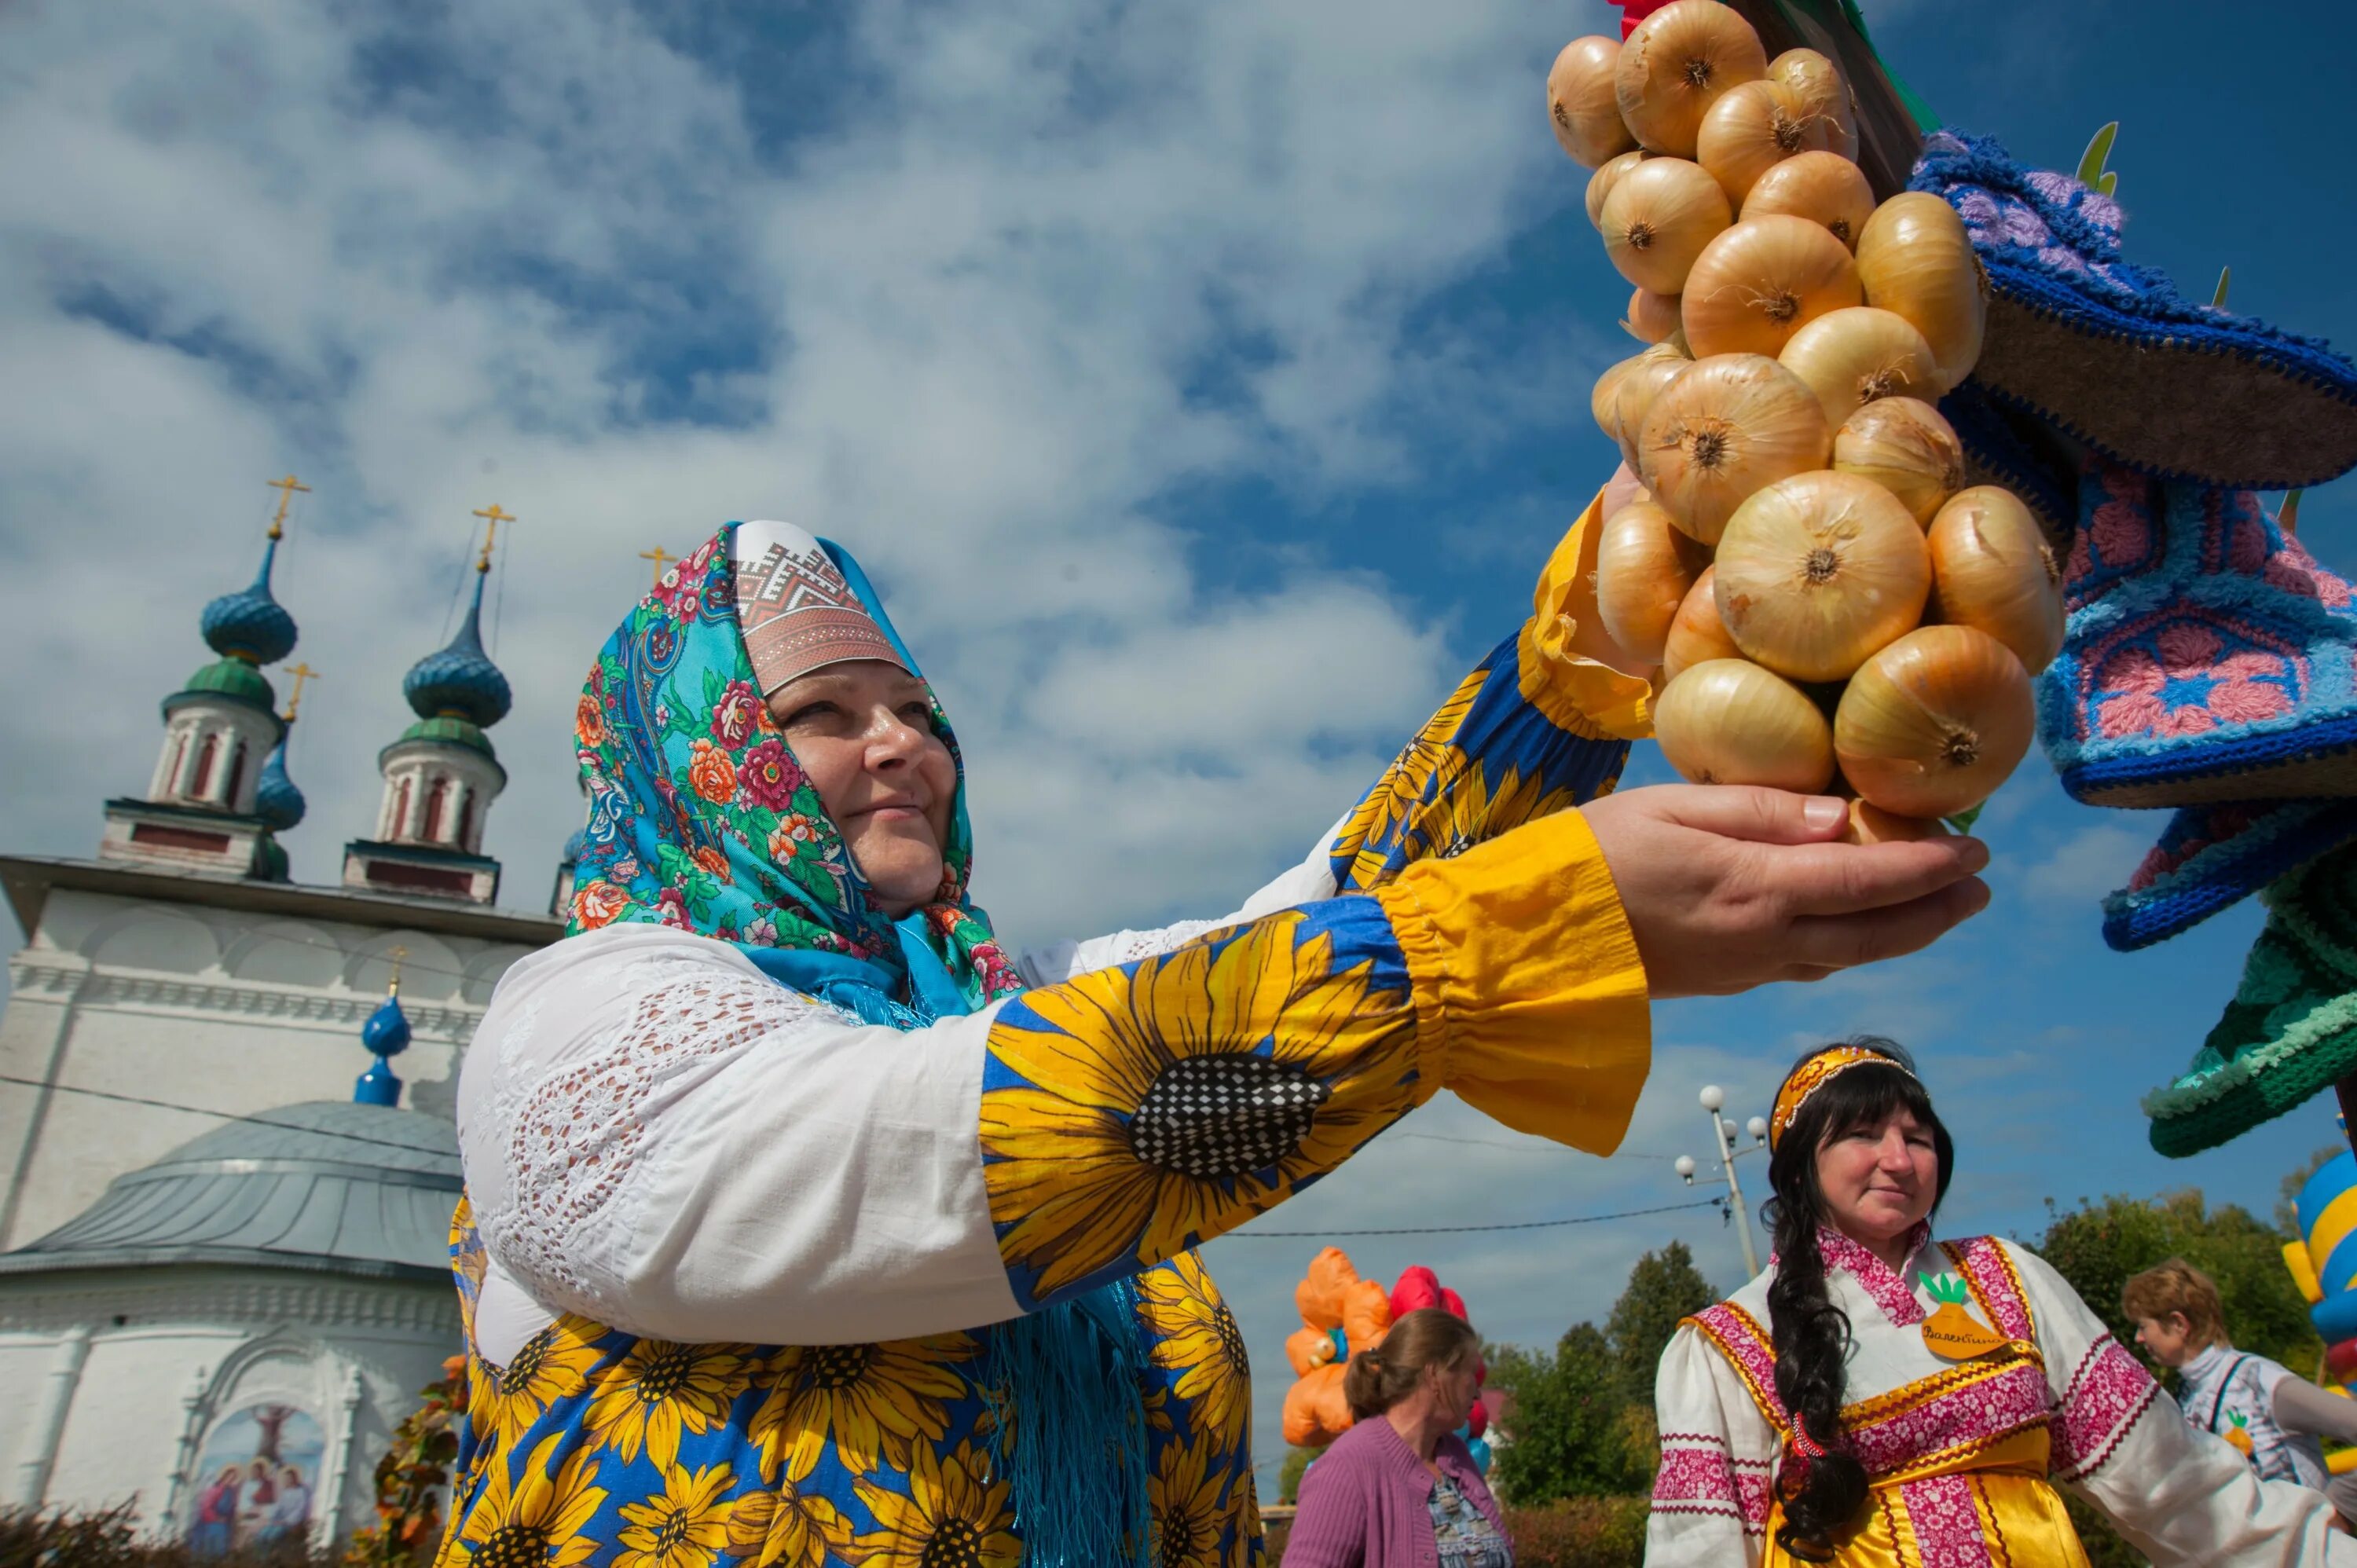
{"x":1696,"y":635}
{"x":1731,"y":721}
{"x":1934,"y":722}
{"x":1850,"y":358}
{"x":1916,"y":258}
{"x":1992,"y":570}
{"x":1823,"y":188}
{"x":1599,"y":399}
{"x":1600,"y":183}
{"x":1675,"y":64}
{"x":1650,"y":374}
{"x":1872,"y":825}
{"x":1817,"y":83}
{"x":1652,"y":318}
{"x":1818,"y":572}
{"x":1906,"y":446}
{"x":1751,"y":129}
{"x":1724,"y":429}
{"x":1659,"y":216}
{"x":1581,"y":104}
{"x":1644,"y":568}
{"x":1762,"y":279}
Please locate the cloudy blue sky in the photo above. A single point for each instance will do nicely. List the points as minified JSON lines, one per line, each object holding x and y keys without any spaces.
{"x":1204,"y":384}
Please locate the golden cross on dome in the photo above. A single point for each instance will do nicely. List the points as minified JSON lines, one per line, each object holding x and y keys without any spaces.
{"x":301,"y":673}
{"x":287,"y":487}
{"x":392,"y":986}
{"x":491,"y":533}
{"x":658,"y":555}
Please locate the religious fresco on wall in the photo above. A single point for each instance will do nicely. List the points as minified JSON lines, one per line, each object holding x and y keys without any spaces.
{"x":257,"y":1479}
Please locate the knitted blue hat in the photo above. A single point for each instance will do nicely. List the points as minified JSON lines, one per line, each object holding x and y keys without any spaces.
{"x":2110,"y":353}
{"x":2212,"y":857}
{"x":2206,"y":657}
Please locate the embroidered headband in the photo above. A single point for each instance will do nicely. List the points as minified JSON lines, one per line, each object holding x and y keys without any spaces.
{"x":1813,"y":1074}
{"x":797,"y":610}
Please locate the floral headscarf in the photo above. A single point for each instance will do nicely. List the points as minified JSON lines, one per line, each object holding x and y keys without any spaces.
{"x":701,"y":818}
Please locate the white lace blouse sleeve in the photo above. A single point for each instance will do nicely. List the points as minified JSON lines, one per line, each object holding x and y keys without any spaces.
{"x":660,"y":1138}
{"x":1309,"y":881}
{"x":2179,"y":1496}
{"x":1710,"y":1495}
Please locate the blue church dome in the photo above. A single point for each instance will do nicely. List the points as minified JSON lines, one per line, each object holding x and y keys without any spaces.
{"x":250,"y":624}
{"x":460,"y":680}
{"x":276,"y":801}
{"x":387,"y":1030}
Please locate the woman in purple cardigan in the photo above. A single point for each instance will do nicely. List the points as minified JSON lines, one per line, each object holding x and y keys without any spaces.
{"x":1399,"y":1490}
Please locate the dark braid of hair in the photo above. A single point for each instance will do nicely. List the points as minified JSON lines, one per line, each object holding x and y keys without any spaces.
{"x":1823,"y":1491}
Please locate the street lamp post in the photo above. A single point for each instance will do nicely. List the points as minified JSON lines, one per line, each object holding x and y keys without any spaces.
{"x":1712,"y":1098}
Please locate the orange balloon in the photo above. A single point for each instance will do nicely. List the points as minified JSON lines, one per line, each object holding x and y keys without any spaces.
{"x":1314,"y":1411}
{"x":1366,"y":1315}
{"x":1309,"y":1350}
{"x":1319,"y":1296}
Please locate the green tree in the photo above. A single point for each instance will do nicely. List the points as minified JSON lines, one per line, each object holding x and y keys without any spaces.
{"x":2097,"y":1246}
{"x":1663,"y":1287}
{"x":1289,"y":1479}
{"x":1573,"y":1436}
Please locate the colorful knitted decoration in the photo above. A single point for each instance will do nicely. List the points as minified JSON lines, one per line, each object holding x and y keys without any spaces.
{"x":2207,"y":658}
{"x":2212,"y":857}
{"x":2005,"y":447}
{"x":2112,"y":354}
{"x":2291,"y":1029}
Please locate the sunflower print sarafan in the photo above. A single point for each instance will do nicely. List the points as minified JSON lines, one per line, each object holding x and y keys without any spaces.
{"x":1196,"y":1341}
{"x":1114,"y":1124}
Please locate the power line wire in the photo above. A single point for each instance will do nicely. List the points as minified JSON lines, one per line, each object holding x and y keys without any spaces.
{"x":220,"y":1115}
{"x":1467,"y":1229}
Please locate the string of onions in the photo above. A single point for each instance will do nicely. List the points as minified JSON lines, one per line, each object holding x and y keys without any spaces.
{"x":1751,"y":129}
{"x":1916,"y":258}
{"x":1725,"y":428}
{"x":1652,"y":373}
{"x":1992,"y":570}
{"x":1761,"y":281}
{"x":1825,"y":187}
{"x":1658,"y":217}
{"x":1933,"y":724}
{"x":1652,"y":318}
{"x":1606,"y":175}
{"x":1850,"y":358}
{"x":1823,"y":96}
{"x":1675,"y":64}
{"x":1644,"y":569}
{"x":1818,"y":572}
{"x":1906,"y":446}
{"x":1582,"y":102}
{"x":1696,"y":635}
{"x":1729,"y":722}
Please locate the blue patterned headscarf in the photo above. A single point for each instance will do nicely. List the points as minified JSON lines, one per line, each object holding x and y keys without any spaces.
{"x":701,"y":818}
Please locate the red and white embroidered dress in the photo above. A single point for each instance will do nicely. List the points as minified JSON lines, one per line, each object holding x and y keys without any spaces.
{"x":1963,"y":1457}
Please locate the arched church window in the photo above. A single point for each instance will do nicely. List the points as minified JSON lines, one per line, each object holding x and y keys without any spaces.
{"x":437,"y":811}
{"x":172,"y":768}
{"x":236,"y":776}
{"x":207,"y":756}
{"x":399,"y":826}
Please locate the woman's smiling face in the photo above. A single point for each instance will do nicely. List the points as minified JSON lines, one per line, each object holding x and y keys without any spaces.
{"x":863,"y":732}
{"x":1880,"y":1180}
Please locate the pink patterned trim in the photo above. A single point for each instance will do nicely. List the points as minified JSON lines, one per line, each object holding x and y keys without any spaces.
{"x":1980,"y":1410}
{"x":1752,"y":1491}
{"x":1739,"y":1336}
{"x":2109,"y":1391}
{"x":1946,"y":1524}
{"x":1698,"y":1477}
{"x":1982,"y":1261}
{"x":1889,"y":1291}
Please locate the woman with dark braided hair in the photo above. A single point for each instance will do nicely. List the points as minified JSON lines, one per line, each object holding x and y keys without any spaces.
{"x":1876,"y":1399}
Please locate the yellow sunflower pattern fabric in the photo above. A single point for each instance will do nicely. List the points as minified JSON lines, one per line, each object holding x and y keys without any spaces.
{"x":1535,"y":728}
{"x":593,"y":1448}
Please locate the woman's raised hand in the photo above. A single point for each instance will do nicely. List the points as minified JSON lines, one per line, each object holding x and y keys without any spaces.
{"x":1728,"y":887}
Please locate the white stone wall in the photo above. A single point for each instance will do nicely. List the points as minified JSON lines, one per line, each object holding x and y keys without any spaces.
{"x":230,"y":725}
{"x":213,"y":1010}
{"x":170,"y":1353}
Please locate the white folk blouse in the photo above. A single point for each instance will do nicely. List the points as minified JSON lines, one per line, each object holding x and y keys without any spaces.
{"x":1957,"y":1452}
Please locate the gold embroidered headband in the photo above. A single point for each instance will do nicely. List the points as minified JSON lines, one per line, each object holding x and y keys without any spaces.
{"x":1814,"y":1074}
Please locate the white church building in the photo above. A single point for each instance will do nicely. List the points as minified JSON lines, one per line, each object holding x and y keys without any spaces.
{"x":224,"y":1224}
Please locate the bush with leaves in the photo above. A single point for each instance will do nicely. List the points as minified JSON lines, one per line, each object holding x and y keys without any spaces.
{"x":411,"y":1476}
{"x":110,"y":1539}
{"x":1663,"y":1287}
{"x":1573,"y":1436}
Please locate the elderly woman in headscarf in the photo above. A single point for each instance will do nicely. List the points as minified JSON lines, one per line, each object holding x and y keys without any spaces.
{"x":808,"y":1224}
